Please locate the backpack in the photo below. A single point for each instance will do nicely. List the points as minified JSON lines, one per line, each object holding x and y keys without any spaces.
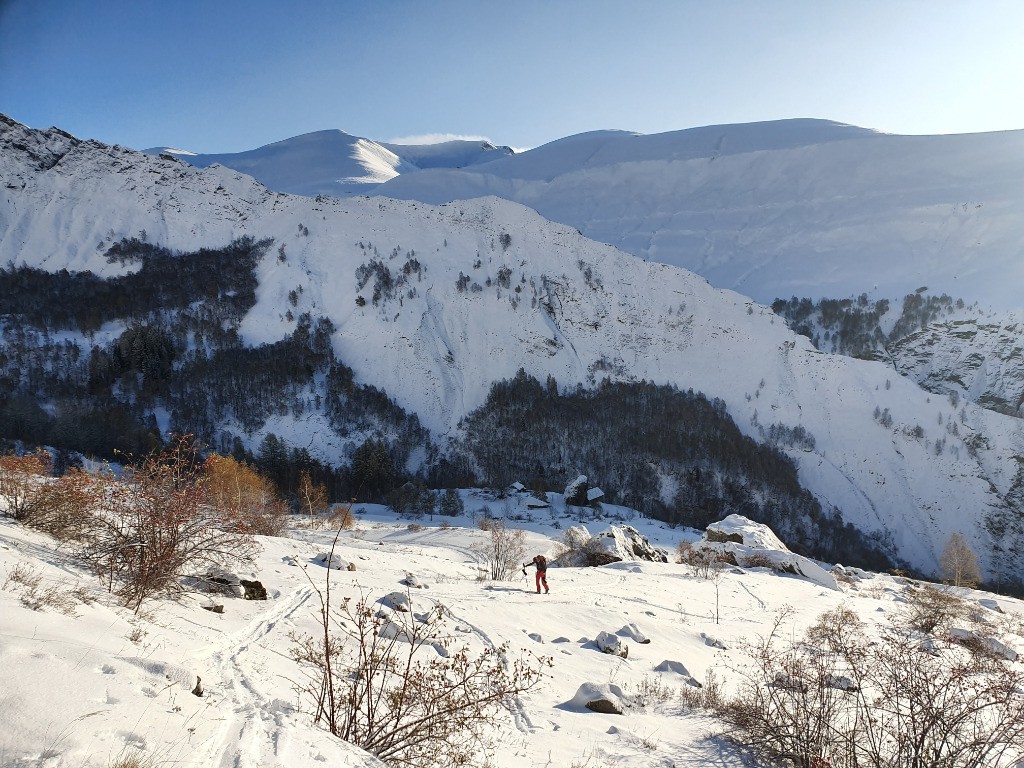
{"x":542,"y":563}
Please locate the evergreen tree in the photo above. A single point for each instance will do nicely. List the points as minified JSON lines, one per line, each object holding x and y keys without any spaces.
{"x":452,"y":504}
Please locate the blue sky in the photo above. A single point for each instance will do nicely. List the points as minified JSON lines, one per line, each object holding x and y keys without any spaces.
{"x":225,"y":75}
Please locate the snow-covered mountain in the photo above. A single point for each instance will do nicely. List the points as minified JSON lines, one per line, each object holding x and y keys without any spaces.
{"x":337,"y":163}
{"x":793,"y":207}
{"x":499,"y":288}
{"x":807,"y":208}
{"x":796,"y":207}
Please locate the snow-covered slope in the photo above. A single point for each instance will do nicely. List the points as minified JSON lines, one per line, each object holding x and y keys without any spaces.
{"x":456,"y":153}
{"x":538,"y":296}
{"x":795,"y":207}
{"x":322,"y":162}
{"x":102,"y":684}
{"x":337,"y":163}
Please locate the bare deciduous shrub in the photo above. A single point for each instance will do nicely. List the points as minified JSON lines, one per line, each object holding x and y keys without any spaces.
{"x":312,"y":497}
{"x":377,"y":680}
{"x":577,"y":547}
{"x":157,"y":523}
{"x":931,"y":607}
{"x":648,"y":742}
{"x":134,"y":759}
{"x":758,"y":561}
{"x":707,"y":696}
{"x":33,"y":595}
{"x":503,"y":550}
{"x":22,"y":575}
{"x":586,"y":760}
{"x":136,"y":635}
{"x":841,"y":699}
{"x":20,"y":480}
{"x":683,"y":550}
{"x":702,"y":562}
{"x":650,"y":691}
{"x":341,"y":518}
{"x":62,"y":507}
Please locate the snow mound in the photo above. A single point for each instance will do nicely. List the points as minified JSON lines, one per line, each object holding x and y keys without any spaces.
{"x":678,"y":668}
{"x":633,"y":632}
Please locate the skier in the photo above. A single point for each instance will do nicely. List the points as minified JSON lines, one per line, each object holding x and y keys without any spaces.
{"x":541,"y":563}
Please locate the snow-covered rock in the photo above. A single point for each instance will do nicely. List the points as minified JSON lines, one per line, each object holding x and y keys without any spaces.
{"x":331,"y":560}
{"x":712,"y":641}
{"x":576,"y":491}
{"x":677,"y":668}
{"x":986,"y":643}
{"x":976,"y":358}
{"x":397,"y":601}
{"x":616,"y":544}
{"x":746,"y":541}
{"x":604,"y":698}
{"x":575,"y":538}
{"x":608,"y":643}
{"x":412,"y":581}
{"x":741,"y":530}
{"x":624,"y":542}
{"x":992,"y":605}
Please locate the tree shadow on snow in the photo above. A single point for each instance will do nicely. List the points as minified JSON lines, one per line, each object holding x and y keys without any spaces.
{"x":723,"y":751}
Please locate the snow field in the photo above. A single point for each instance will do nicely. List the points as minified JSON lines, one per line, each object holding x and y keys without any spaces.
{"x":84,"y":690}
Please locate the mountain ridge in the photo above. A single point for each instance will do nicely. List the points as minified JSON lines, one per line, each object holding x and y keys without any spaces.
{"x":336,"y":162}
{"x":800,"y":207}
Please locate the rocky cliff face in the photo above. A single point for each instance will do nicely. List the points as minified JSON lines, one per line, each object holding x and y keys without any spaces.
{"x":978,"y":359}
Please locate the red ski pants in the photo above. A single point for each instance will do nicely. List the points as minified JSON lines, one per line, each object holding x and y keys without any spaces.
{"x":542,"y":578}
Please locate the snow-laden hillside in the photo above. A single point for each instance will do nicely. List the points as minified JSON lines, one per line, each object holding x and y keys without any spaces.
{"x":538,"y":296}
{"x":99,"y":684}
{"x":311,"y":164}
{"x":337,"y":163}
{"x":805,"y":208}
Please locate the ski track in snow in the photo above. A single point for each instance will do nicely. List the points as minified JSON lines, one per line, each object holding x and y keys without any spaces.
{"x":251,"y":736}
